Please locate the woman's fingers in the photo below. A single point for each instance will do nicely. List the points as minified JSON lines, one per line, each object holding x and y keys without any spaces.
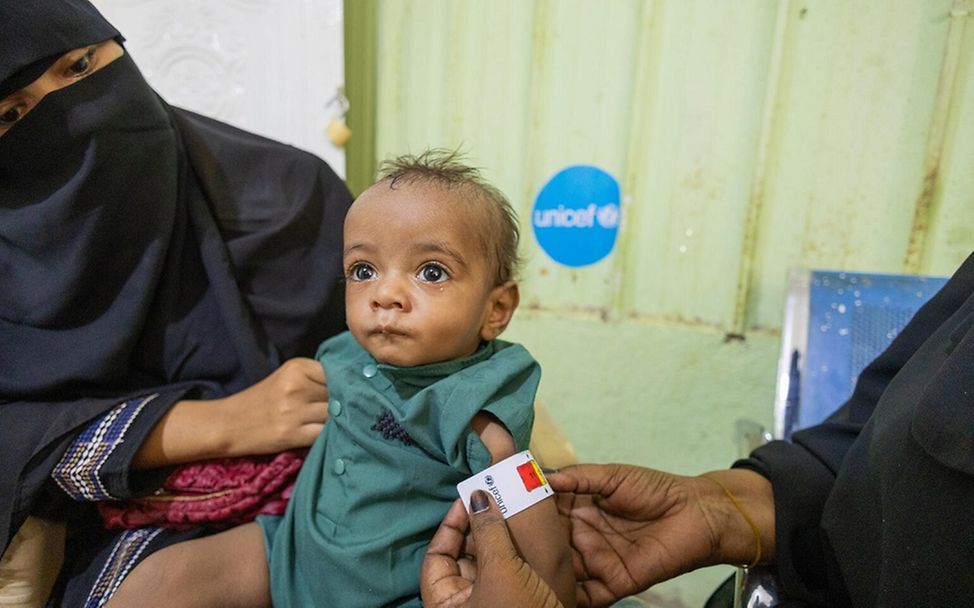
{"x":584,"y":479}
{"x":490,"y":531}
{"x":443,"y":583}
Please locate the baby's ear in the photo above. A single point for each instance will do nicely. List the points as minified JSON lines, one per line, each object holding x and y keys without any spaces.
{"x":501,"y":304}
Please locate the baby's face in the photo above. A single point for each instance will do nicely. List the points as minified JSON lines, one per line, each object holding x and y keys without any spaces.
{"x":417,"y":280}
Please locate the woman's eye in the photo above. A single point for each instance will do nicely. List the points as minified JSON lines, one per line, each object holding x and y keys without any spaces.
{"x":10,"y":116}
{"x":82,"y":65}
{"x":433,"y":273}
{"x":361,"y":272}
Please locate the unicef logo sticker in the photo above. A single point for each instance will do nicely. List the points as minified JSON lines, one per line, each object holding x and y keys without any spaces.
{"x":576,"y":215}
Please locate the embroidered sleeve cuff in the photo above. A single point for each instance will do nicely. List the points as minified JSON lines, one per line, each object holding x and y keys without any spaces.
{"x":81,"y":471}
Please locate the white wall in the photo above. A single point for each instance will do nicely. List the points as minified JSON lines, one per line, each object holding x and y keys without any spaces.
{"x":268,"y":66}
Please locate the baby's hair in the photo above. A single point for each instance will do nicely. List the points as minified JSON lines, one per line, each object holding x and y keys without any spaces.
{"x":445,"y":168}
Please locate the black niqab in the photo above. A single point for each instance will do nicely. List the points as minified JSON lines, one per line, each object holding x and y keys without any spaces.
{"x":143,"y":250}
{"x":34,"y":33}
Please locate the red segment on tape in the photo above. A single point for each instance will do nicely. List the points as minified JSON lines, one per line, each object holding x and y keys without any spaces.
{"x":531,"y":475}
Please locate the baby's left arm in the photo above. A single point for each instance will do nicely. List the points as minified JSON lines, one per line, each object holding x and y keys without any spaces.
{"x":537,"y":531}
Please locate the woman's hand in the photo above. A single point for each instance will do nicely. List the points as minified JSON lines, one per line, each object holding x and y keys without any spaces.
{"x":486,"y":572}
{"x":632,"y":527}
{"x":285,"y":410}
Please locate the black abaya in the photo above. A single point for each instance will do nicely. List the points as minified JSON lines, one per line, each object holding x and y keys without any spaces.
{"x":147,"y":255}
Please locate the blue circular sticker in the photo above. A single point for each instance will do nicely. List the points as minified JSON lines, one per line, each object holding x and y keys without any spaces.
{"x":576,"y":215}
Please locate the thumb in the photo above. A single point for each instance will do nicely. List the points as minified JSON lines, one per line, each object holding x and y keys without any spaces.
{"x":490,"y":533}
{"x":580,"y":478}
{"x":312,"y":369}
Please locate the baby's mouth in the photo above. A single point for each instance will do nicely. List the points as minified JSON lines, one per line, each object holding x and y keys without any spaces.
{"x":388,"y":330}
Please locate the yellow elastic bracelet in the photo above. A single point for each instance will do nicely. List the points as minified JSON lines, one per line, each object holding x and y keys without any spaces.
{"x":750,"y":522}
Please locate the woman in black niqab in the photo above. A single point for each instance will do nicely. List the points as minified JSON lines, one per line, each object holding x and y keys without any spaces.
{"x":148,"y":256}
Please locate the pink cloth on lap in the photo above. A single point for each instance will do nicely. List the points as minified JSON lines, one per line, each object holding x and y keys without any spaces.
{"x":222,"y":492}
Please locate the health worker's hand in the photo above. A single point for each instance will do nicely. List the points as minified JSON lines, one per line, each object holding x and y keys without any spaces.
{"x":485,"y":572}
{"x":632,"y":527}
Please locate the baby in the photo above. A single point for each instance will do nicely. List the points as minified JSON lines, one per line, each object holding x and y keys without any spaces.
{"x":422,"y":394}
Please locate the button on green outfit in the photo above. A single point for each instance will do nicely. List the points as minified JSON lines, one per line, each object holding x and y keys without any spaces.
{"x":382,"y":474}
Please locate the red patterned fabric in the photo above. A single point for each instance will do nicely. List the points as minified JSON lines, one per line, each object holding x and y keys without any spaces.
{"x":222,"y":492}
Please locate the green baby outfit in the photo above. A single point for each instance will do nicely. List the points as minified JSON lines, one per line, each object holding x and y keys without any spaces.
{"x":382,"y":474}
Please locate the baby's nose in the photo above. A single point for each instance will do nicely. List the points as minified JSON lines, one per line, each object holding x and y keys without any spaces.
{"x":390,"y":293}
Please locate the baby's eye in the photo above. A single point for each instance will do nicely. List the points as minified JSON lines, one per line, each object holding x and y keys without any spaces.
{"x":82,"y":65}
{"x":11,"y":115}
{"x":433,"y":273}
{"x":361,"y":272}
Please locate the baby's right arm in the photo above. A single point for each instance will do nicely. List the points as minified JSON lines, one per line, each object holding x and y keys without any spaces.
{"x":541,"y":539}
{"x":537,"y":532}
